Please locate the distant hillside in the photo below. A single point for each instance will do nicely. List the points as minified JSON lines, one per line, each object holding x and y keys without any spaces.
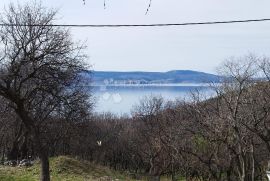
{"x":174,"y":76}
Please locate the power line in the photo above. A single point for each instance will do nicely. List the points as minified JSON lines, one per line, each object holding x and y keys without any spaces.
{"x":140,"y":25}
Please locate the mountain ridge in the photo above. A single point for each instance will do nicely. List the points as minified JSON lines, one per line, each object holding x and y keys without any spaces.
{"x":144,"y":77}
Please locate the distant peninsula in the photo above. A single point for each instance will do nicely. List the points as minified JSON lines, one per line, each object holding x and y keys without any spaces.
{"x":140,"y":77}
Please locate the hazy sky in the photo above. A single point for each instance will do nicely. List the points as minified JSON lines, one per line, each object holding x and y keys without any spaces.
{"x":165,"y":48}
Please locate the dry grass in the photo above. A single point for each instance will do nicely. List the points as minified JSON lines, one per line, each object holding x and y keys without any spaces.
{"x":62,"y":169}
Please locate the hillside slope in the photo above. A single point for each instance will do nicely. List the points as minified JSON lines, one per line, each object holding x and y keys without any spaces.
{"x":63,"y":169}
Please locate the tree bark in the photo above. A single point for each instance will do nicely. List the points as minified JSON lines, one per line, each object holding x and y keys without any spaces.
{"x":249,"y":159}
{"x":13,"y":153}
{"x":241,"y":167}
{"x":3,"y":154}
{"x":174,"y":178}
{"x":153,"y":178}
{"x":24,"y":147}
{"x":44,"y":158}
{"x":45,"y":171}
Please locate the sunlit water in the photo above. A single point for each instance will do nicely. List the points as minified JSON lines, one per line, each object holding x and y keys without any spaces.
{"x":120,"y":99}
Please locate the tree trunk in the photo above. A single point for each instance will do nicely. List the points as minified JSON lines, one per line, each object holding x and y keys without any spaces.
{"x":13,"y":152}
{"x":174,"y":178}
{"x":3,"y":154}
{"x":40,"y":148}
{"x":241,"y":167}
{"x":153,"y":173}
{"x":24,"y":148}
{"x":45,"y":170}
{"x":44,"y":158}
{"x":249,"y":169}
{"x":229,"y":172}
{"x":153,"y":178}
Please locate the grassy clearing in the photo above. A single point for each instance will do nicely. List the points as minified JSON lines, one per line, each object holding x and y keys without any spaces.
{"x":62,"y":169}
{"x":65,"y":168}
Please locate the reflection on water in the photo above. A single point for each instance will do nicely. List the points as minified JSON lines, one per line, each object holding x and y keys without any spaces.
{"x":120,"y":99}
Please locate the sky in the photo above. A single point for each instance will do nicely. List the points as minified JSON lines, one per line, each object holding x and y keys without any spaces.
{"x":200,"y":48}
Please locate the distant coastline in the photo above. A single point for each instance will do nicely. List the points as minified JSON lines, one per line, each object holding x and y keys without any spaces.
{"x":156,"y":85}
{"x":170,"y":78}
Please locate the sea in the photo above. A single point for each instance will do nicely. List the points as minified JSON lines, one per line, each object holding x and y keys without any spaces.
{"x":122,"y":99}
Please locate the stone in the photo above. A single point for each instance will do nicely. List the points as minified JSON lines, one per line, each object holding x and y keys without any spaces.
{"x":25,"y":163}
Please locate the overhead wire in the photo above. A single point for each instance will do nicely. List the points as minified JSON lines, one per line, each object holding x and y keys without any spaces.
{"x":140,"y":25}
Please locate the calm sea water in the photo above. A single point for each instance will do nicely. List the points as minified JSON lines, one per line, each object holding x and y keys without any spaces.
{"x":120,"y":99}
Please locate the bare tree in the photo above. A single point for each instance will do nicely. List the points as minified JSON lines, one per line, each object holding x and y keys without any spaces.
{"x":41,"y":71}
{"x":233,"y":104}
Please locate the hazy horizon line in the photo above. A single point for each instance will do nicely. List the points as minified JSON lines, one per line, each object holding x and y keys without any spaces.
{"x":158,"y":71}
